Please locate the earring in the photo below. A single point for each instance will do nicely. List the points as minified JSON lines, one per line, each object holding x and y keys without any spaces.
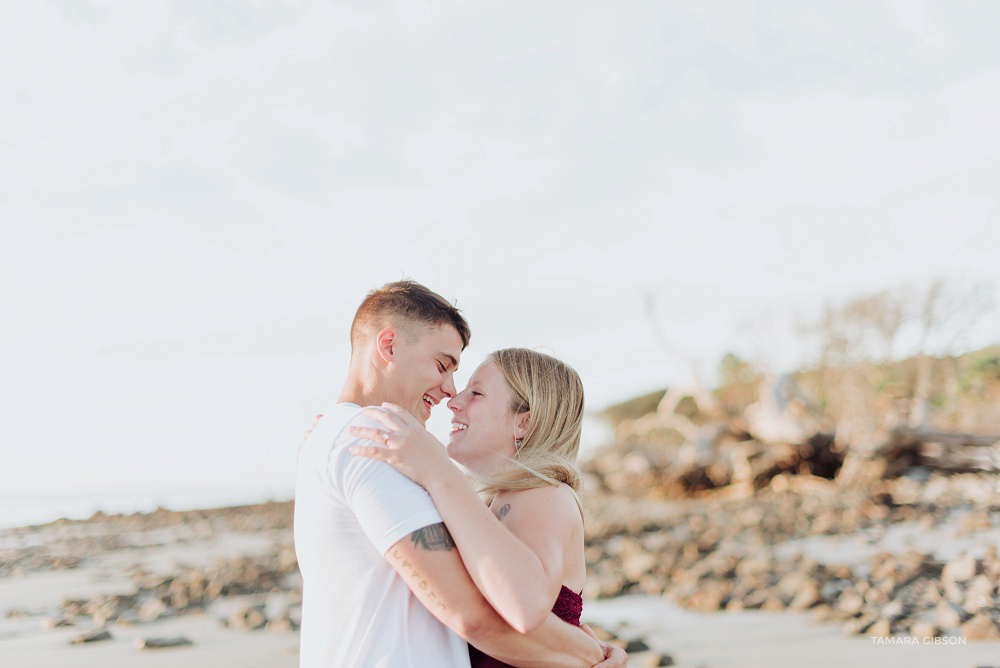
{"x":517,"y":443}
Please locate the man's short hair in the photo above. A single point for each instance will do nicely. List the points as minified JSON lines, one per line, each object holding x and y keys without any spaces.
{"x":405,"y":300}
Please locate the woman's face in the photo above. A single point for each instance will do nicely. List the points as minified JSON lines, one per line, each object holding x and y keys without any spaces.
{"x":483,"y":426}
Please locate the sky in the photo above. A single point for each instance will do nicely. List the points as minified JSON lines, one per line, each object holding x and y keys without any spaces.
{"x":195,"y":196}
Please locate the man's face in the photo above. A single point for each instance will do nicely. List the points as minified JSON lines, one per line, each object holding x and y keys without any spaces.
{"x":423,"y":368}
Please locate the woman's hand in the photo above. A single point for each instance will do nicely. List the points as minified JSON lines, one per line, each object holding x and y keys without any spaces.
{"x":305,"y":435}
{"x":614,"y":657}
{"x":405,"y":445}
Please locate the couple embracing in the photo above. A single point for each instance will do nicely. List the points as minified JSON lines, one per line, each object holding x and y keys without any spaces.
{"x":403,"y":564}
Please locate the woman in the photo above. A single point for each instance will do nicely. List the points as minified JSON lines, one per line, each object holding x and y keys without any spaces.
{"x":516,"y":428}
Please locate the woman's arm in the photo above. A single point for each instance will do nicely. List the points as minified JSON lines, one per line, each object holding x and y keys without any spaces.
{"x":519,"y":567}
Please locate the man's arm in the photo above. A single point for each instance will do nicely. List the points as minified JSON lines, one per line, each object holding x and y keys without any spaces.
{"x":425,"y":556}
{"x":430,"y":565}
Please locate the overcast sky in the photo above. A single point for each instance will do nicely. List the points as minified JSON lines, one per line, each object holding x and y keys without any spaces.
{"x":196,"y":195}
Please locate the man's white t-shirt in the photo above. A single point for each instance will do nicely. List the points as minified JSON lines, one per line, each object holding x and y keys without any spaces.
{"x":349,"y":510}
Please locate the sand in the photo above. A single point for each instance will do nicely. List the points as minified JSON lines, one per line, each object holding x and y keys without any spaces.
{"x":110,"y":550}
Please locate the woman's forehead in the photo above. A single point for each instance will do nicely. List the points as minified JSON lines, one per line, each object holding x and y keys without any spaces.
{"x":487,"y":371}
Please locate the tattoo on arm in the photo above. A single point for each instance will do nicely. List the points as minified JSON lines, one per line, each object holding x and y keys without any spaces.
{"x":504,"y":509}
{"x":432,"y":598}
{"x":433,"y":537}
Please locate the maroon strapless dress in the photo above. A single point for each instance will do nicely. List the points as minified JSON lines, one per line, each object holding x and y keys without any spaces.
{"x":568,"y":607}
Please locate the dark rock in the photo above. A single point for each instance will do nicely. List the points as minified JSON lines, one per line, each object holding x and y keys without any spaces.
{"x":159,"y":643}
{"x":91,"y":636}
{"x":636,"y":645}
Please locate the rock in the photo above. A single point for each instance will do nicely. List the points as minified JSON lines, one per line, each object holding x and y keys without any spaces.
{"x":656,"y":660}
{"x":880,"y":629}
{"x":924,"y":629}
{"x":859,"y":625}
{"x":981,"y":627}
{"x":773,"y":604}
{"x":947,"y":616}
{"x":960,"y":569}
{"x":152,"y":610}
{"x":822,"y":613}
{"x":637,"y":564}
{"x":249,"y":618}
{"x":755,"y":599}
{"x":55,"y":623}
{"x":72,"y":606}
{"x":636,"y":645}
{"x":91,"y":636}
{"x":282,"y":624}
{"x":127,"y":618}
{"x":159,"y":643}
{"x":850,"y":603}
{"x":806,"y":597}
{"x":894,"y":610}
{"x":979,"y":594}
{"x":710,"y":597}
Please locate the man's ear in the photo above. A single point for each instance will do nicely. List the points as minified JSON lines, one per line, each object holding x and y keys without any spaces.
{"x":385,"y":342}
{"x":521,"y":424}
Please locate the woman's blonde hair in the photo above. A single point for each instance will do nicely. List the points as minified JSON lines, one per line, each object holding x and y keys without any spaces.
{"x":553,"y":394}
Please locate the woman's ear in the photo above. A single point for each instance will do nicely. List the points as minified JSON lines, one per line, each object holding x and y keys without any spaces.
{"x":384,"y":344}
{"x":521,"y":424}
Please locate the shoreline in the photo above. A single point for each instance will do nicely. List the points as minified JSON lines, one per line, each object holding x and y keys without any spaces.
{"x":226,"y":580}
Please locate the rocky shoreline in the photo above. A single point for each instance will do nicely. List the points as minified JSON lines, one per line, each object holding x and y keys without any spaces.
{"x":731,"y":554}
{"x":148,"y":554}
{"x":774,"y":550}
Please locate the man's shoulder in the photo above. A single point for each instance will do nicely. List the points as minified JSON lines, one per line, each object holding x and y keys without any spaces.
{"x":357,"y":418}
{"x":339,"y":439}
{"x":339,"y":417}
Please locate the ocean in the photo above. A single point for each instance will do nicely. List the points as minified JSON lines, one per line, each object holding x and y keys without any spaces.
{"x":26,"y":510}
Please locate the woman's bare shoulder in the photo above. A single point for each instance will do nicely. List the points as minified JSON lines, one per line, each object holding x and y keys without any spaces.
{"x":551,"y":503}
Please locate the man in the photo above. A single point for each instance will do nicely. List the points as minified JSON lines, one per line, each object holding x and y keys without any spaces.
{"x":383,"y":584}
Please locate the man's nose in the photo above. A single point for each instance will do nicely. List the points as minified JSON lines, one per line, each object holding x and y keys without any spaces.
{"x":448,"y":386}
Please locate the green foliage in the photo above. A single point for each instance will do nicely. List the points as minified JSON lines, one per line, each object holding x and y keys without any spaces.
{"x":988,"y":366}
{"x":734,"y":369}
{"x":633,"y":408}
{"x":981,"y":369}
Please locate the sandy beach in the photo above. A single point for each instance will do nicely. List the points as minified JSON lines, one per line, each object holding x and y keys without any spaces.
{"x":226,"y":582}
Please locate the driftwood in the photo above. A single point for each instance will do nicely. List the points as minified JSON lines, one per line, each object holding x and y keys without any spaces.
{"x":947,"y":451}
